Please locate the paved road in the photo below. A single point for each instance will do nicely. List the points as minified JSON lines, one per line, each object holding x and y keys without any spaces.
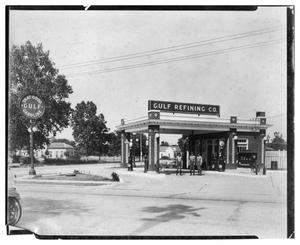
{"x":212,"y":204}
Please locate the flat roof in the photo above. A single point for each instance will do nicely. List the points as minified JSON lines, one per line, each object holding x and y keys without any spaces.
{"x":182,"y":124}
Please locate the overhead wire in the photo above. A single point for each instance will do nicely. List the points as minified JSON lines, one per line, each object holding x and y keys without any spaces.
{"x":180,"y":58}
{"x":173,"y":48}
{"x":278,"y":115}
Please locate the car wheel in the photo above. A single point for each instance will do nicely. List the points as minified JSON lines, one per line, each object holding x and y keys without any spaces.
{"x":14,"y":211}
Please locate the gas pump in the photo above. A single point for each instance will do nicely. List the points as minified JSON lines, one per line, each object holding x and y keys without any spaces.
{"x":130,"y":158}
{"x":146,"y":164}
{"x":221,"y":156}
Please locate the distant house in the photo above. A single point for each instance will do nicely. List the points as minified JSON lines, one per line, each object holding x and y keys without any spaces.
{"x":59,"y":150}
{"x":168,"y":151}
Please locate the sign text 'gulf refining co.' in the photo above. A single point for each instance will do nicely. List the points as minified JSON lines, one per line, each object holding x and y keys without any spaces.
{"x":178,"y":107}
{"x":32,"y":106}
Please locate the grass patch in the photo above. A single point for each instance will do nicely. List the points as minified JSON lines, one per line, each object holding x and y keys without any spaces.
{"x":58,"y":162}
{"x":74,"y":177}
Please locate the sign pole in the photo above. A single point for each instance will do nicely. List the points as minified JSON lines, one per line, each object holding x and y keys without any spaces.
{"x":32,"y":170}
{"x":33,"y":108}
{"x":141,"y":146}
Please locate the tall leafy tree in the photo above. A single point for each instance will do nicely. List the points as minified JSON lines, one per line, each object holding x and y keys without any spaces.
{"x":113,"y":148}
{"x":89,"y":129}
{"x":32,"y":71}
{"x":278,"y":143}
{"x":183,"y":143}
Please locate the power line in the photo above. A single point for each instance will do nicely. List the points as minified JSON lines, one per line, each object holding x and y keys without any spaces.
{"x":180,"y":58}
{"x":174,"y":48}
{"x":163,"y":61}
{"x":278,"y":115}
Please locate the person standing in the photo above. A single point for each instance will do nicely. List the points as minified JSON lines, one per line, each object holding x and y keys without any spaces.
{"x":130,"y":161}
{"x":146,"y":163}
{"x":192,"y":164}
{"x":199,"y":163}
{"x":178,"y":164}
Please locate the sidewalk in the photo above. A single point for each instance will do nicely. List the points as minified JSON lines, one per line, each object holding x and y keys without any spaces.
{"x":140,"y":173}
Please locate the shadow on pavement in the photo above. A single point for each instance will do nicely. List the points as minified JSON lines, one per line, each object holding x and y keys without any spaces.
{"x":35,"y":209}
{"x":166,"y":214}
{"x":183,"y":172}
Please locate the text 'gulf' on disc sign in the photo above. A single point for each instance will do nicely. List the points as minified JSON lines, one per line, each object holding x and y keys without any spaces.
{"x":32,"y":106}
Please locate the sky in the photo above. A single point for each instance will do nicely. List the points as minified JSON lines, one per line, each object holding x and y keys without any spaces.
{"x":243,"y":81}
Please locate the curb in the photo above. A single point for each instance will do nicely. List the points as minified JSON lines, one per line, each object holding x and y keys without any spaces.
{"x":162,"y":175}
{"x":65,"y":182}
{"x":30,"y":179}
{"x":141,"y":174}
{"x":249,"y":175}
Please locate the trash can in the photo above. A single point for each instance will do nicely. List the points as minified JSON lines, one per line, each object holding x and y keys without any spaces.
{"x":274,"y":165}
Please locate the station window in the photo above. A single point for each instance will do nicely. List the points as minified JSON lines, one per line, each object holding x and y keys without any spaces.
{"x":242,"y":145}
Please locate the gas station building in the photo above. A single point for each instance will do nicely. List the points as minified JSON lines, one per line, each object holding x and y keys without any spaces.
{"x":203,"y":130}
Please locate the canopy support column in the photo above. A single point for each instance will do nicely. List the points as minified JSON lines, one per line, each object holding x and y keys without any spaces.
{"x":124,"y":149}
{"x":153,"y":132}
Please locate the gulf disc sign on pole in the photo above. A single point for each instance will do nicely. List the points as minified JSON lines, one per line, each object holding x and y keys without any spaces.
{"x":33,"y":108}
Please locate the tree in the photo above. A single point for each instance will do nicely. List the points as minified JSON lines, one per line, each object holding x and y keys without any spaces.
{"x":89,"y":129}
{"x":183,"y":143}
{"x":278,"y":143}
{"x":114,"y":144}
{"x":32,"y":71}
{"x":47,"y":153}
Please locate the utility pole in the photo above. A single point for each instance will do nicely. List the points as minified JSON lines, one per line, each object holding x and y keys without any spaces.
{"x":100,"y":147}
{"x":141,"y":150}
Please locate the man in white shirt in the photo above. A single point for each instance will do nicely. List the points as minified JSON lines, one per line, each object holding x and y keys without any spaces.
{"x":199,"y":163}
{"x":192,"y":164}
{"x":178,"y":163}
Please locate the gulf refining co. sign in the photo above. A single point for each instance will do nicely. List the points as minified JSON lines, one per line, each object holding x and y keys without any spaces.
{"x":32,"y":106}
{"x":177,"y":107}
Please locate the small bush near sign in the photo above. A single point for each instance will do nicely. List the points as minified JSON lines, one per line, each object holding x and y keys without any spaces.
{"x":115,"y":177}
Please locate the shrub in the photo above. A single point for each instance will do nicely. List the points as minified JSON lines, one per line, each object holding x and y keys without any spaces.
{"x":66,"y":161}
{"x":47,"y":152}
{"x":115,"y":177}
{"x":75,"y":157}
{"x":16,"y":159}
{"x":27,"y":160}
